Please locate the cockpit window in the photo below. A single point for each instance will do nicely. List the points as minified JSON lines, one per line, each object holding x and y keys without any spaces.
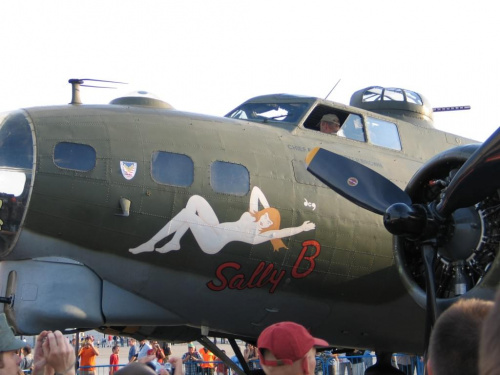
{"x":342,"y":123}
{"x":289,"y":113}
{"x":352,"y":128}
{"x":383,"y":133}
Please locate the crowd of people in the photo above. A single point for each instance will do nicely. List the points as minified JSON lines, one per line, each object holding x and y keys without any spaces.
{"x":463,"y":341}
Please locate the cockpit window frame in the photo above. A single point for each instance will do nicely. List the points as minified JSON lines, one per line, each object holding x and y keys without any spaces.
{"x":272,"y":112}
{"x":349,"y":121}
{"x":383,"y":133}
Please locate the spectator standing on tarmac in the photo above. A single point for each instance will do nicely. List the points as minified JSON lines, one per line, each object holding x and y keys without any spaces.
{"x":250,"y":355}
{"x":358,"y":366}
{"x":367,"y":358}
{"x":404,"y":363}
{"x":157,"y":352}
{"x":221,"y":367}
{"x":344,"y":364}
{"x":287,"y":348}
{"x":132,"y":352}
{"x":191,"y":359}
{"x":167,"y":350}
{"x":27,"y":361}
{"x":139,"y":368}
{"x":144,"y":347}
{"x":114,"y":359}
{"x":208,"y":366}
{"x":87,"y":355}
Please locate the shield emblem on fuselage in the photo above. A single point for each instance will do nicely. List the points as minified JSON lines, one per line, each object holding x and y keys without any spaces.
{"x":128,"y":169}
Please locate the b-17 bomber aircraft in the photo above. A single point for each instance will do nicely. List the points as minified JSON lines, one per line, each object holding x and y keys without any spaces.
{"x":139,"y":219}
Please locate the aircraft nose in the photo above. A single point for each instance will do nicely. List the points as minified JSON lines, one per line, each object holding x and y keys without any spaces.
{"x":16,"y":174}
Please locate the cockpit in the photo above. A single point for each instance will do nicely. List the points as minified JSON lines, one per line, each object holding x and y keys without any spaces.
{"x":308,"y":112}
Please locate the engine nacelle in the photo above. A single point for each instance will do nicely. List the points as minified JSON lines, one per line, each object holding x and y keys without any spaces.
{"x":467,"y":242}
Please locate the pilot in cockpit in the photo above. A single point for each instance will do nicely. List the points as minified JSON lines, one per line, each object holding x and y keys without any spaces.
{"x":330,"y":124}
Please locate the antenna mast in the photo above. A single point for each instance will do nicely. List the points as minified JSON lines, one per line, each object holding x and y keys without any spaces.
{"x":76,"y":83}
{"x":333,"y":88}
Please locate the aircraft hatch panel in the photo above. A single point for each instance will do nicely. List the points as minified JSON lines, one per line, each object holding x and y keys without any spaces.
{"x":16,"y":174}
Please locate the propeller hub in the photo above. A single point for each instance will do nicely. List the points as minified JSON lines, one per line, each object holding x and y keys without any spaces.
{"x":407,"y":221}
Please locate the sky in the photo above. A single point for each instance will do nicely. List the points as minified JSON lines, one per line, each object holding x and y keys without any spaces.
{"x":208,"y":56}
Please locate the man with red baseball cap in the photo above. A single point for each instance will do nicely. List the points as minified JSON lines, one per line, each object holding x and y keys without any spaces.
{"x":287,"y":348}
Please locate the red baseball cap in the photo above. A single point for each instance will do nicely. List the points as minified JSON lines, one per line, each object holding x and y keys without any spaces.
{"x":288,"y":341}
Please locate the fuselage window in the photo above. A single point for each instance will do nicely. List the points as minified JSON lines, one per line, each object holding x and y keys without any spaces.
{"x":75,"y":156}
{"x":229,"y":178}
{"x":172,"y":169}
{"x":383,"y":133}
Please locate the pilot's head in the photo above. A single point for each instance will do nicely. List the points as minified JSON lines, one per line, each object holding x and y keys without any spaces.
{"x":330,"y":124}
{"x":287,"y":348}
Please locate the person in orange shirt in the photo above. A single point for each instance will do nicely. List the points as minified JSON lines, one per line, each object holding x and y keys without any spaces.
{"x":87,"y":355}
{"x":208,"y":356}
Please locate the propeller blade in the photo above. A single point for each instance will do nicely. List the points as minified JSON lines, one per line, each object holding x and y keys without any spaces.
{"x":476,"y":179}
{"x":354,"y":181}
{"x":429,"y":257}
